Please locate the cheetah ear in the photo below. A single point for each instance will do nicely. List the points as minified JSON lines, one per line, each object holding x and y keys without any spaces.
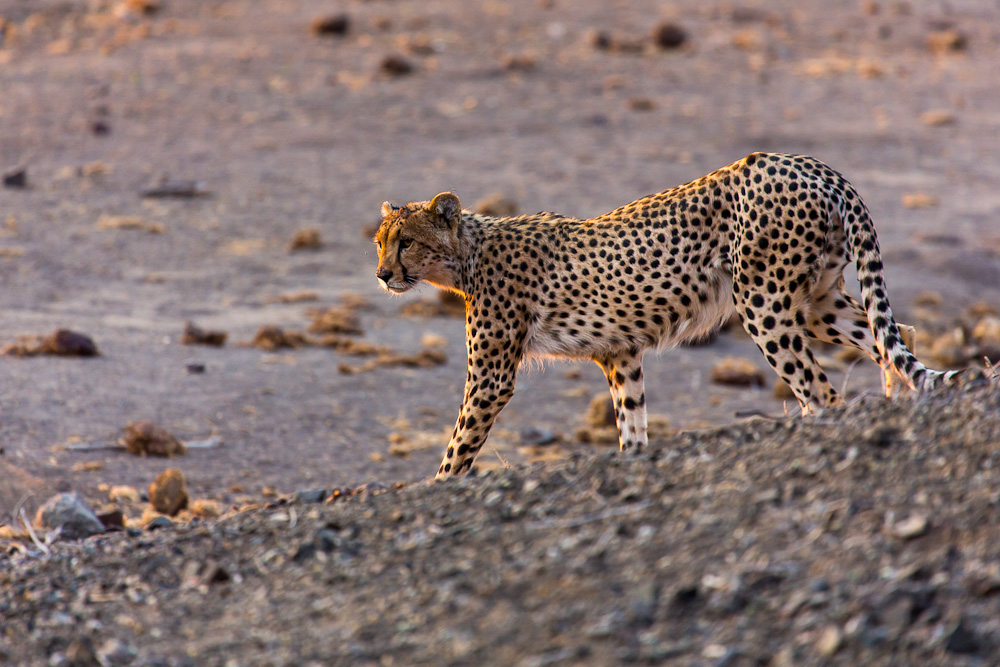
{"x":447,"y":208}
{"x":388,"y":209}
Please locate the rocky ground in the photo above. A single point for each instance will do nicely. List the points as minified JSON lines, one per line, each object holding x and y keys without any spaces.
{"x":865,"y":536}
{"x":221,"y":163}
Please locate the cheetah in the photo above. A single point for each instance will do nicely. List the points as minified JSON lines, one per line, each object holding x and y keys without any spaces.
{"x":766,"y":237}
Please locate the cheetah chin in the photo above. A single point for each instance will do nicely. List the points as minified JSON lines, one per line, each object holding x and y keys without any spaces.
{"x":766,"y":237}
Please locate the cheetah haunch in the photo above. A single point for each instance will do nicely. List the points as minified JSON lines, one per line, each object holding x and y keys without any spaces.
{"x":767,"y":237}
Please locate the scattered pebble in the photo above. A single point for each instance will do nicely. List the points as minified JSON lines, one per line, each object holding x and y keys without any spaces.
{"x":271,"y":338}
{"x":124,"y":494}
{"x":336,"y":25}
{"x":167,"y":189}
{"x":829,"y":641}
{"x":129,"y":222}
{"x":601,"y":411}
{"x":920,"y":200}
{"x":168,"y":492}
{"x":497,"y":205}
{"x":937,"y":118}
{"x":914,"y":526}
{"x":112,"y":519}
{"x":158,"y":522}
{"x":448,"y":304}
{"x":71,"y":514}
{"x":641,"y":104}
{"x":669,"y":36}
{"x":205,"y":508}
{"x":306,"y":239}
{"x":15,"y":178}
{"x":738,"y":372}
{"x":335,"y":320}
{"x":195,"y":335}
{"x":962,"y":640}
{"x":307,"y":496}
{"x":144,"y":438}
{"x":395,"y":65}
{"x":943,"y":42}
{"x":62,"y":343}
{"x":538,"y":436}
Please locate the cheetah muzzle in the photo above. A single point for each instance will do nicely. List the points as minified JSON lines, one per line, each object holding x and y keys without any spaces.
{"x":766,"y":237}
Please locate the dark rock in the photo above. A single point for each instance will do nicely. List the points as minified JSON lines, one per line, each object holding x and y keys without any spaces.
{"x":16,"y":178}
{"x":216,"y":574}
{"x":80,"y":653}
{"x":100,"y":128}
{"x":167,"y":189}
{"x":194,"y":368}
{"x":306,"y":496}
{"x":669,"y":36}
{"x":962,"y":639}
{"x":395,"y":65}
{"x":112,"y":519}
{"x":195,"y":335}
{"x":159,"y":522}
{"x":327,"y":540}
{"x":66,"y":343}
{"x":538,"y":436}
{"x":71,"y":513}
{"x":336,"y":25}
{"x":305,"y":551}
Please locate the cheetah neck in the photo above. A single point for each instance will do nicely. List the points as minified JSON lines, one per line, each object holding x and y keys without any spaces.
{"x":472,"y":230}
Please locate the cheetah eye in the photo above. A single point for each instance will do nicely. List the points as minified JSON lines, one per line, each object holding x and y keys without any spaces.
{"x":405,"y":243}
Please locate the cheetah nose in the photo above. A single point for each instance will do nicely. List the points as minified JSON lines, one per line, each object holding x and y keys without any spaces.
{"x":384,"y":275}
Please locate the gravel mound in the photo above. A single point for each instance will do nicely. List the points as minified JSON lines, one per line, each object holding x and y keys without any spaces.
{"x":866,"y":535}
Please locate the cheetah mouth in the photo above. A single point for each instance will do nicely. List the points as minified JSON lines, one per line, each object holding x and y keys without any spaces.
{"x":395,"y":287}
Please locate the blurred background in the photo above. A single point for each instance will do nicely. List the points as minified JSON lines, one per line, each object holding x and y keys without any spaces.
{"x":223,"y":163}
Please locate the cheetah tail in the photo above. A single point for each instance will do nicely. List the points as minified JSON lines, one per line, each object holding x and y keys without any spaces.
{"x":864,"y":246}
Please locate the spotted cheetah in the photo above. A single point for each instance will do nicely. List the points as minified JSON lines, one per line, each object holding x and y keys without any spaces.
{"x":766,"y":237}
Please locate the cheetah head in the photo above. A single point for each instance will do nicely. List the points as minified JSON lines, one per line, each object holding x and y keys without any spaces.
{"x":418,"y":242}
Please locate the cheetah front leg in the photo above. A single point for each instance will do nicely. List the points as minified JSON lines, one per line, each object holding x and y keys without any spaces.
{"x":489,"y":386}
{"x":624,"y":374}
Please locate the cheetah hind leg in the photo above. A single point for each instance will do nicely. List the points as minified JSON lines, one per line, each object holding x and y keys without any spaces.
{"x":624,"y":374}
{"x":837,"y":318}
{"x":778,"y":326}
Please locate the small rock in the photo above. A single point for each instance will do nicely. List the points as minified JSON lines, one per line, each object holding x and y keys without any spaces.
{"x":942,"y":42}
{"x":327,"y":540}
{"x":194,"y":335}
{"x":336,"y":25}
{"x":123,"y":494}
{"x":782,"y":391}
{"x":949,"y":348}
{"x":739,"y":372}
{"x":168,"y":492}
{"x":80,"y":653}
{"x":669,"y":36}
{"x":16,"y":178}
{"x":986,"y":334}
{"x":307,"y":496}
{"x":66,"y":343}
{"x":167,"y":189}
{"x":830,"y":641}
{"x":158,"y":522}
{"x":113,"y":519}
{"x":538,"y":436}
{"x":306,"y":551}
{"x":962,"y":640}
{"x":215,"y":574}
{"x":937,"y":118}
{"x":641,"y":104}
{"x":601,"y":411}
{"x":144,"y":438}
{"x":71,"y":513}
{"x":271,"y":338}
{"x":920,"y":200}
{"x":115,"y":652}
{"x":915,"y":526}
{"x":100,"y":128}
{"x":194,"y":368}
{"x":496,"y":205}
{"x":395,"y":65}
{"x":206,"y":509}
{"x":306,"y":239}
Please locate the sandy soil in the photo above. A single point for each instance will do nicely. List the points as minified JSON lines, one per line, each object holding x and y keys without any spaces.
{"x":286,"y":130}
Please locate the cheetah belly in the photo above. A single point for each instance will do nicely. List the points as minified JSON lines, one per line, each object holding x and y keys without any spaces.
{"x":549,"y":337}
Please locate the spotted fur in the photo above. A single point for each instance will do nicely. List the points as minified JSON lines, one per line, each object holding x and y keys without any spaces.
{"x":766,"y":237}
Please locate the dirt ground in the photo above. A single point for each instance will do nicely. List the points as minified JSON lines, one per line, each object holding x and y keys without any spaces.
{"x":256,"y":128}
